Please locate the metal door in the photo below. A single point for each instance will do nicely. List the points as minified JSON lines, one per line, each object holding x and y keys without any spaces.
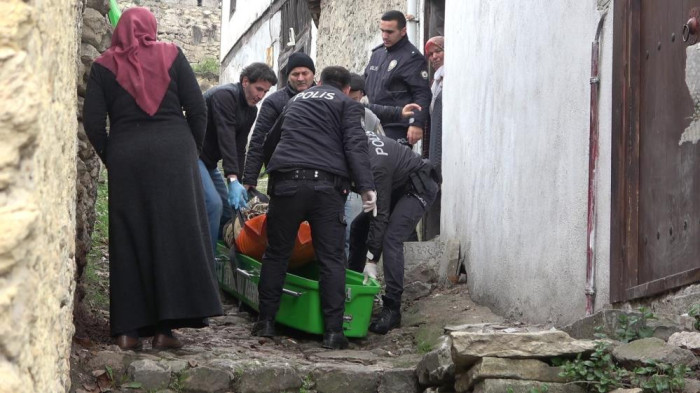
{"x":656,"y":178}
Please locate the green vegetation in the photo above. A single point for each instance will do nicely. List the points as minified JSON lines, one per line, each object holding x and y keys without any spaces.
{"x":209,"y":65}
{"x":600,"y":373}
{"x":695,"y":313}
{"x":96,"y":276}
{"x":660,"y":377}
{"x":307,"y":385}
{"x":634,"y":327}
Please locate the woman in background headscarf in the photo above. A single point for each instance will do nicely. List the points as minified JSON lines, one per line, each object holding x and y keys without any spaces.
{"x":159,"y":249}
{"x":435,"y":51}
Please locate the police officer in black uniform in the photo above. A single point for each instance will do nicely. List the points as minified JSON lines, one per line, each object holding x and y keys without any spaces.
{"x":396,"y":75}
{"x":300,"y":72}
{"x":321,"y":146}
{"x":406,"y":187}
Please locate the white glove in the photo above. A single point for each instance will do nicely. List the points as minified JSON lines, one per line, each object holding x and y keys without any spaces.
{"x":369,"y":202}
{"x":370,"y":272}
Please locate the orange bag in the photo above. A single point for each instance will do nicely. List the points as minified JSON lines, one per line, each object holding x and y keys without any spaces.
{"x":252,"y":241}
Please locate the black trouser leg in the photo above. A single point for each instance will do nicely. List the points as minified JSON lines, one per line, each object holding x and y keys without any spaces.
{"x":326,"y":217}
{"x":358,"y":242}
{"x":402,"y":222}
{"x":284,"y":215}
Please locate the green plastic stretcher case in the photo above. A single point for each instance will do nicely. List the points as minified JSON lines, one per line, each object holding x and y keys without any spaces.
{"x":300,"y":306}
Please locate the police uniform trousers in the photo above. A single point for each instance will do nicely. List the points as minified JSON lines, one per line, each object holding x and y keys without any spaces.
{"x":319,"y":202}
{"x":406,"y":211}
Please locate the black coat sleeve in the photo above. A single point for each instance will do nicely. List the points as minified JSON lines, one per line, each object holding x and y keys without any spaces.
{"x":385,"y":113}
{"x":416,"y":77}
{"x":254,"y":158}
{"x":95,"y":113}
{"x":223,"y":114}
{"x":355,"y":144}
{"x":191,"y":99}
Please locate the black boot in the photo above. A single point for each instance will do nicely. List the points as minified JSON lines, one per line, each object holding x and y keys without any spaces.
{"x":334,"y":340}
{"x":264,"y":328}
{"x":389,"y":318}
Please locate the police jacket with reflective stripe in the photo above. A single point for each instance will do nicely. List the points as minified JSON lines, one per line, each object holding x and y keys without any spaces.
{"x":322,"y":130}
{"x":229,"y":121}
{"x":397,"y":76}
{"x":392,"y":164}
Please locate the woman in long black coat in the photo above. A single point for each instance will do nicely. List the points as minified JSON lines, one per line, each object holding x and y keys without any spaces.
{"x":161,"y":262}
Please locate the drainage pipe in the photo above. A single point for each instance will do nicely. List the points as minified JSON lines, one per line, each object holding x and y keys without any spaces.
{"x":412,"y":25}
{"x":593,"y":151}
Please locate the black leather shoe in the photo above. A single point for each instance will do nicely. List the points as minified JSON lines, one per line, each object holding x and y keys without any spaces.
{"x":334,"y":340}
{"x":264,"y":328}
{"x":388,"y":319}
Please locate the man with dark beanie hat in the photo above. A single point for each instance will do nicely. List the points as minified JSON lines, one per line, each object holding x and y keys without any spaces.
{"x":300,"y":72}
{"x":299,"y":59}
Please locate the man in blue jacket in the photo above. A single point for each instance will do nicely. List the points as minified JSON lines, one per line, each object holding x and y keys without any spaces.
{"x":396,"y":75}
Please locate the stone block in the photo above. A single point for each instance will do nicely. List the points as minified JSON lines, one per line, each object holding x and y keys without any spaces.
{"x":517,"y":386}
{"x":635,"y":353}
{"x":686,"y":340}
{"x":634,"y":390}
{"x":399,"y":380}
{"x":468,"y":347}
{"x":691,"y":386}
{"x":436,"y":367}
{"x":206,"y":379}
{"x":96,"y":30}
{"x":606,"y":321}
{"x":501,"y":368}
{"x":356,"y":379}
{"x":149,"y":374}
{"x":114,"y":360}
{"x":416,"y":290}
{"x":268,"y":378}
{"x":101,"y":6}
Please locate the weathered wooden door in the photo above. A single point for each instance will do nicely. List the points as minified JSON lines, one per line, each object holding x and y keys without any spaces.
{"x":655,"y":243}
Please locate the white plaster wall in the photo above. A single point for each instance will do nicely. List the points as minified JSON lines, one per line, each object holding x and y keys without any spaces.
{"x":234,"y":26}
{"x":254,"y":49}
{"x":516,"y":121}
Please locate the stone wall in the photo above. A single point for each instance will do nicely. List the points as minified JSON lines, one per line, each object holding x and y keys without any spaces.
{"x":348,"y":30}
{"x":194,"y":29}
{"x":38,"y":47}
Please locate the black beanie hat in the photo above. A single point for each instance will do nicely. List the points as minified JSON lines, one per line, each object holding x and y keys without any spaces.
{"x":299,"y":59}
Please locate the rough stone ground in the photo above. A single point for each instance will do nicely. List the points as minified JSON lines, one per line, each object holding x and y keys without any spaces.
{"x":228,"y":339}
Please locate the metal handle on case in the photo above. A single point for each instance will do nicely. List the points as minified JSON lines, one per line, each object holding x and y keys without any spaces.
{"x":245,"y":272}
{"x":284,"y":290}
{"x":291,"y":293}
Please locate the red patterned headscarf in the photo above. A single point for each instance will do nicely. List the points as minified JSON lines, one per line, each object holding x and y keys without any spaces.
{"x":437,"y":41}
{"x":140,"y":63}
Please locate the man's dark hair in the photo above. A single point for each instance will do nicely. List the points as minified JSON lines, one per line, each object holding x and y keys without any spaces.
{"x":258,"y":71}
{"x":335,"y":76}
{"x":357,"y":82}
{"x":398,"y":16}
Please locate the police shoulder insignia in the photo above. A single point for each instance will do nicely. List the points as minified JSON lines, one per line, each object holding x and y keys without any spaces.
{"x":392,"y":65}
{"x":424,"y":74}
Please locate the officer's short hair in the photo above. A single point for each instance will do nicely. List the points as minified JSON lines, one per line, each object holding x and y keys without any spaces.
{"x":398,"y":16}
{"x":335,"y":76}
{"x":258,"y":71}
{"x":357,"y":82}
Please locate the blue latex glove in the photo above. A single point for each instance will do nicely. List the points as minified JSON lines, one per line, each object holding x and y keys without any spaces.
{"x":237,"y":195}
